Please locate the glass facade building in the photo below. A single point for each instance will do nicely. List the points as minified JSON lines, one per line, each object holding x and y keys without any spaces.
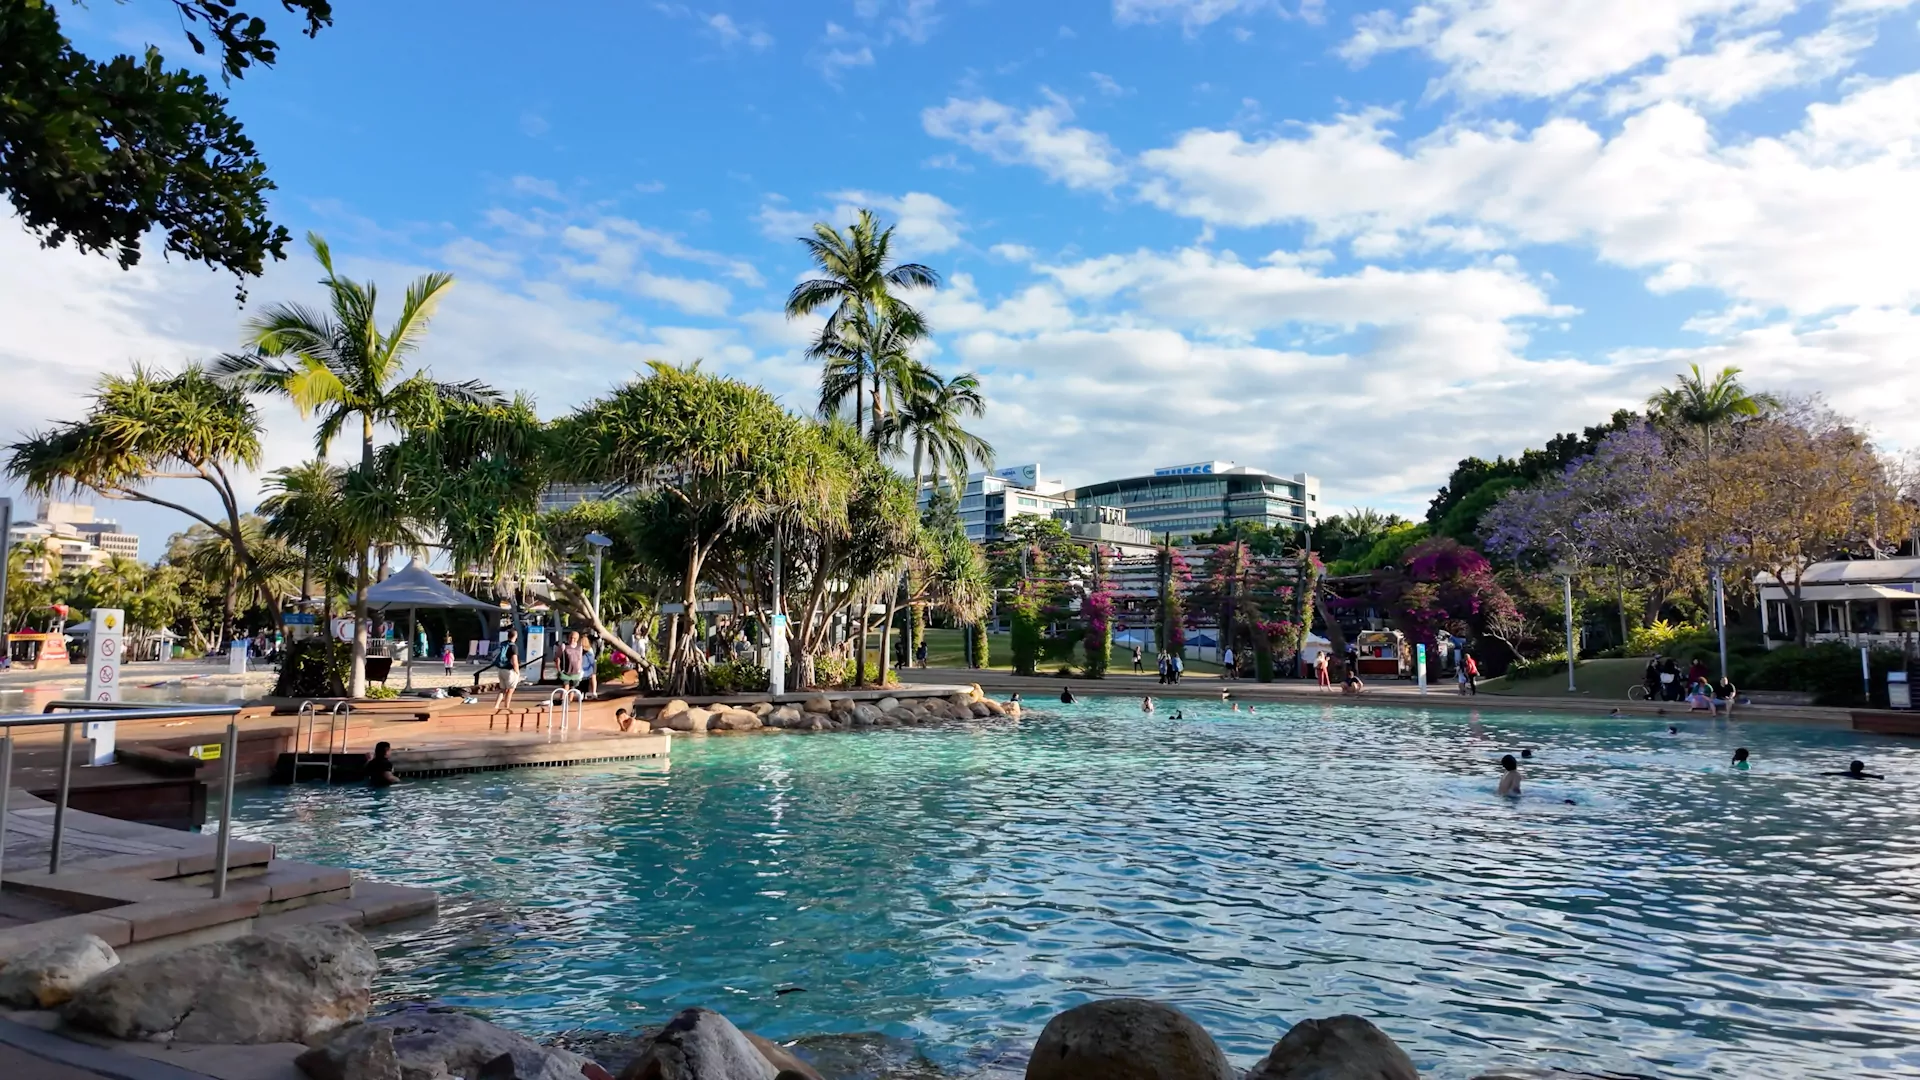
{"x":1191,"y":500}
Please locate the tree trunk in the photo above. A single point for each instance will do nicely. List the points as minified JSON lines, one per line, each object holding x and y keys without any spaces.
{"x":859,"y":404}
{"x":357,"y":674}
{"x":886,"y":631}
{"x":859,"y":626}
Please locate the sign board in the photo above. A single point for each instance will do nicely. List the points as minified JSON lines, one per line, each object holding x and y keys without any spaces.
{"x":1024,"y":475}
{"x":1899,"y":693}
{"x":103,"y":675}
{"x":205,"y":751}
{"x":237,"y":658}
{"x":1198,"y":468}
{"x":1420,"y":665}
{"x":299,"y":618}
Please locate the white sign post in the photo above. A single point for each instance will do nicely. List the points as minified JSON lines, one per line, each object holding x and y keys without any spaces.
{"x":1420,"y":665}
{"x":104,"y":646}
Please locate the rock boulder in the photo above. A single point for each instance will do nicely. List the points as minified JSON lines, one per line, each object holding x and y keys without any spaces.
{"x":733,"y":720}
{"x":962,"y":699}
{"x":671,"y":709}
{"x":786,"y":716}
{"x":887,"y":704}
{"x":1336,"y":1048}
{"x":865,"y":715}
{"x":819,"y":703}
{"x":700,"y":1044}
{"x":761,"y":709}
{"x":285,"y":986}
{"x":993,"y":707}
{"x":48,"y":975}
{"x":782,"y":1059}
{"x":434,"y":1044}
{"x":1126,"y":1039}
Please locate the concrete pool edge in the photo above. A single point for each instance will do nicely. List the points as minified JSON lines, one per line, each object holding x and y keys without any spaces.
{"x":1038,"y":690}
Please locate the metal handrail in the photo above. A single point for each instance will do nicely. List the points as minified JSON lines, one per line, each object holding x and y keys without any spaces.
{"x":566,"y":694}
{"x":129,"y":711}
{"x":334,"y":719}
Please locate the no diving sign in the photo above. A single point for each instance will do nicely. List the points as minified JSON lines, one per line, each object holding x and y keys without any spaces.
{"x":103,"y":675}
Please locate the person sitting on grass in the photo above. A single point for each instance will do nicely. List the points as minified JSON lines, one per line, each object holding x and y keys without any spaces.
{"x":380,"y":766}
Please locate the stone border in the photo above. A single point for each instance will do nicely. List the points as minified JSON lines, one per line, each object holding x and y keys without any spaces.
{"x":109,"y":1064}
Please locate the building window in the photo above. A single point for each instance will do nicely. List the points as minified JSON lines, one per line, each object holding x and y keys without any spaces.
{"x":1866,"y":617}
{"x":1780,"y":620}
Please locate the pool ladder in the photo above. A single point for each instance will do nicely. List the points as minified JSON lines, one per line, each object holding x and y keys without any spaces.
{"x":556,"y":708}
{"x":306,"y":728}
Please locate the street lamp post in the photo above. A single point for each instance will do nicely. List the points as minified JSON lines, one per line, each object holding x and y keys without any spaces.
{"x":599,"y":544}
{"x":1720,"y":612}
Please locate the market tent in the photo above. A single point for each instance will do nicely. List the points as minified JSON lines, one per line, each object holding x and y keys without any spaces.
{"x":413,"y":588}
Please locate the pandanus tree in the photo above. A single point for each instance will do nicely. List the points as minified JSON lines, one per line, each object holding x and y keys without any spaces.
{"x":340,"y":365}
{"x":869,"y":324}
{"x":708,"y":455}
{"x":144,"y":428}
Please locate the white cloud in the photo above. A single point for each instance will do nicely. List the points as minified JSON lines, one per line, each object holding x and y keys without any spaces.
{"x":1107,"y":84}
{"x":1018,"y":253}
{"x":1815,"y":220}
{"x":1040,"y":136}
{"x":1742,"y":68}
{"x":1544,"y":48}
{"x":923,"y":223}
{"x":732,"y":34}
{"x":691,"y":295}
{"x":534,"y":185}
{"x":1191,"y":14}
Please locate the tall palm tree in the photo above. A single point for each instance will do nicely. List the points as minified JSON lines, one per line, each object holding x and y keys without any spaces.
{"x":932,"y":418}
{"x":1700,"y":402}
{"x":868,"y":360}
{"x":858,"y":281}
{"x":341,"y":365}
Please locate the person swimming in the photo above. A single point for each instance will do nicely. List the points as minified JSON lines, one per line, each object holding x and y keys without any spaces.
{"x":1857,"y":770}
{"x":1236,"y":706}
{"x":1671,"y":730}
{"x":1066,"y":696}
{"x":1527,"y":752}
{"x":1615,"y":714}
{"x":1509,"y":778}
{"x":1177,"y":715}
{"x":1146,"y":704}
{"x":1740,"y":758}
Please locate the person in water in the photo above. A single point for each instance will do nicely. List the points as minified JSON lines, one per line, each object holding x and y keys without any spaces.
{"x":1857,"y":771}
{"x":1526,"y":752}
{"x":1066,"y":696}
{"x":1740,"y":758}
{"x":380,"y":767}
{"x":1178,"y":715}
{"x":1146,"y":704}
{"x":1509,"y":778}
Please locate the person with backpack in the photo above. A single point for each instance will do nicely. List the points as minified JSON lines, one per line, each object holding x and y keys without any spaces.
{"x":507,"y":659}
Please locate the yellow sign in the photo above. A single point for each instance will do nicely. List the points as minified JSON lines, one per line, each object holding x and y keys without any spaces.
{"x":206,"y":751}
{"x":111,"y":621}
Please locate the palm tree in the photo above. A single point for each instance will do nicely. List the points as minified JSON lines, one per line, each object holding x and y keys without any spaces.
{"x":1698,"y":402}
{"x":341,"y":365}
{"x":858,"y":282}
{"x":863,"y":359}
{"x":931,"y":416}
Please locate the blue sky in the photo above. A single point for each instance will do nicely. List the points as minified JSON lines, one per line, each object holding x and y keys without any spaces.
{"x":1360,"y":240}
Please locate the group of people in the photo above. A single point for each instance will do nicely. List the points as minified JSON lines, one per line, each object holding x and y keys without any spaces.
{"x":1665,"y":682}
{"x":1510,"y":777}
{"x":573,"y":661}
{"x":1171,"y":665}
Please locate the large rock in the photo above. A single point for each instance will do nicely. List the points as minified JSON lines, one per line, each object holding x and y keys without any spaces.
{"x":49,"y":975}
{"x":285,"y":986}
{"x":1336,"y":1048}
{"x":1126,"y":1039}
{"x":671,"y":709}
{"x":842,"y":705}
{"x":700,"y":1044}
{"x":782,"y":1059}
{"x":980,"y":710}
{"x":887,"y":704}
{"x":865,"y":715}
{"x":964,"y":700}
{"x":733,"y":720}
{"x":993,"y":707}
{"x":435,"y":1044}
{"x":786,"y":716}
{"x":819,"y":703}
{"x":761,"y":709}
{"x":687,"y":720}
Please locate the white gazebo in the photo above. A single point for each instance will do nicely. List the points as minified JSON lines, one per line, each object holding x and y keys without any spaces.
{"x":413,"y":588}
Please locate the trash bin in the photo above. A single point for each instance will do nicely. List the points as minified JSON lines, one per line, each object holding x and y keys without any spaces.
{"x":1899,"y":694}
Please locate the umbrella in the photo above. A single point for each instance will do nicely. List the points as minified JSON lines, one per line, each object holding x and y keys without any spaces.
{"x":413,"y":588}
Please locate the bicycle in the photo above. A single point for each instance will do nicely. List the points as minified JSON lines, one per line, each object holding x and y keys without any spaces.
{"x":1639,"y":692}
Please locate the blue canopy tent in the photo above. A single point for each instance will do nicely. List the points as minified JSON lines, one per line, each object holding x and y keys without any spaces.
{"x":1204,"y":641}
{"x":413,"y":588}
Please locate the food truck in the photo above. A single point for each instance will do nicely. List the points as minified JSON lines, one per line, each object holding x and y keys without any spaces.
{"x":1384,"y":653}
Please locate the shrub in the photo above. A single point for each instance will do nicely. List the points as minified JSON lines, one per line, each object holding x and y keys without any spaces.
{"x":1658,"y":638}
{"x":832,"y":671}
{"x":979,"y":637}
{"x":1060,"y":647}
{"x":308,"y":671}
{"x":1065,"y":672}
{"x":1830,"y":671}
{"x":1535,"y":669}
{"x":737,"y":677}
{"x":382,"y":693}
{"x":1026,"y":636}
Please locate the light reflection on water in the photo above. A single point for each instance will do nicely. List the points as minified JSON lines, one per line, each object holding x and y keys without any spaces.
{"x":962,"y":885}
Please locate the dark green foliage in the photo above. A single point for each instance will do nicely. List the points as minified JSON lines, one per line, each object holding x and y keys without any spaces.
{"x":978,"y":636}
{"x":737,"y":677}
{"x":1830,"y":671}
{"x":1473,"y":473}
{"x":1060,"y":646}
{"x":100,"y":154}
{"x":1099,"y":652}
{"x":313,"y":668}
{"x":1026,"y":636}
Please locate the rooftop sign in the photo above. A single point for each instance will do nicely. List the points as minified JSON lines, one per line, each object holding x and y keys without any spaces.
{"x":1198,"y":468}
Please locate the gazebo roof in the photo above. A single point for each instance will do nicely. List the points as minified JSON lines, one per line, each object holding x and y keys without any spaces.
{"x":414,"y":587}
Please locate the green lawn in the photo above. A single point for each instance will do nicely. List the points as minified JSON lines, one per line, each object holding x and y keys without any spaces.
{"x":1598,"y":680}
{"x":947,"y":648}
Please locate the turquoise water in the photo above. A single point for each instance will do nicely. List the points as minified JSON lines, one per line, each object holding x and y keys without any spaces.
{"x":959,"y":886}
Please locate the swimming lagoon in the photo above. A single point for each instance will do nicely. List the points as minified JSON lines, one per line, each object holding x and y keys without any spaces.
{"x":1642,"y":909}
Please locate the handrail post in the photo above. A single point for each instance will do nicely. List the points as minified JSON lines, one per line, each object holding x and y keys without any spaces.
{"x":6,"y":793}
{"x":66,"y":789}
{"x":224,"y":841}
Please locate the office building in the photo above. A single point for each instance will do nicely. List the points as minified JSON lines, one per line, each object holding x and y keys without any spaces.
{"x":1107,"y":526}
{"x":68,"y":537}
{"x":992,"y":499}
{"x":1195,"y":499}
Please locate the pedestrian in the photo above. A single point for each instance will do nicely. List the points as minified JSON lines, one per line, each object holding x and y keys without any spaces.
{"x":1161,"y":660}
{"x":1473,"y":676}
{"x":446,"y":655}
{"x":1226,"y":663}
{"x":1178,"y":666}
{"x":920,"y":653}
{"x":570,"y":660}
{"x":1137,"y":669}
{"x":1460,"y":677}
{"x":1320,"y":674}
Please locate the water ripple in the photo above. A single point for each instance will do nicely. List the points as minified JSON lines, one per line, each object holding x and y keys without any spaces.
{"x":960,"y":886}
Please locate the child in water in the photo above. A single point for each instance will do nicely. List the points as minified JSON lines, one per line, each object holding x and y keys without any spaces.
{"x":1740,"y":759}
{"x":1509,"y":778}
